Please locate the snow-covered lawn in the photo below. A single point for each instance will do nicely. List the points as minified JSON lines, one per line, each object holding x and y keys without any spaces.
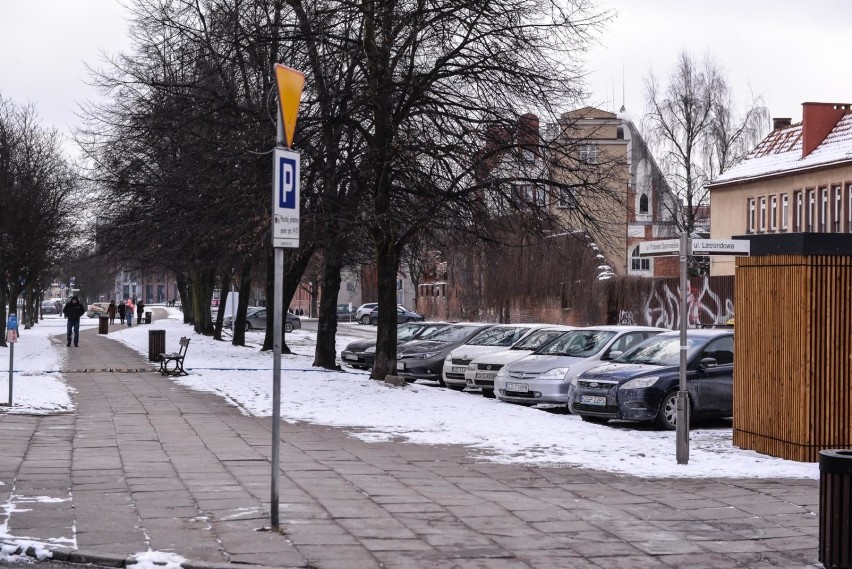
{"x":423,"y":414}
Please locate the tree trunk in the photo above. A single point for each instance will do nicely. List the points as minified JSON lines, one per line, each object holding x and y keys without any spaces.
{"x":239,"y":321}
{"x":201,"y":290}
{"x":225,"y":280}
{"x":387,"y":261}
{"x":325,"y":355}
{"x":3,"y":314}
{"x":185,"y":298}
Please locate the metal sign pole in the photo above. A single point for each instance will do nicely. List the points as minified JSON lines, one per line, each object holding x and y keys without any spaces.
{"x":278,"y":293}
{"x":11,"y":366}
{"x":682,"y":421}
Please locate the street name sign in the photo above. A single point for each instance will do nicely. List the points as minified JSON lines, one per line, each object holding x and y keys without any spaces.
{"x":732,"y":247}
{"x":285,"y":199}
{"x":659,"y":248}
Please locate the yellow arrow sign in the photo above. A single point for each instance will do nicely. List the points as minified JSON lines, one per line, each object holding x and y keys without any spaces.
{"x":290,"y":84}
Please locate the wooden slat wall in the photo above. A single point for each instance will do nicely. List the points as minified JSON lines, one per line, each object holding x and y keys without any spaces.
{"x":793,"y":355}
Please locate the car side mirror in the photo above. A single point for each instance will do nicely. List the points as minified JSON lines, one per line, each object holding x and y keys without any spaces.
{"x":707,"y":362}
{"x":613,"y":354}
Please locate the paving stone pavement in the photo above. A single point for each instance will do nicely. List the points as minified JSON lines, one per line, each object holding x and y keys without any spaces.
{"x":144,"y":463}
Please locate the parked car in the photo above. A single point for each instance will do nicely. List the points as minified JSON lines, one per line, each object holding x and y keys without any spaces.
{"x":97,"y":309}
{"x":642,"y":385}
{"x":424,"y":359}
{"x":50,"y":307}
{"x":345,"y":313}
{"x":228,"y":320}
{"x":362,"y":313}
{"x":362,"y":354}
{"x":494,"y":339}
{"x":402,"y":315}
{"x":482,"y":370}
{"x":545,"y":375}
{"x":257,"y":321}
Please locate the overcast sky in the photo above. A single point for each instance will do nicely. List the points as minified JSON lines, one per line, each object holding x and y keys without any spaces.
{"x":787,"y":51}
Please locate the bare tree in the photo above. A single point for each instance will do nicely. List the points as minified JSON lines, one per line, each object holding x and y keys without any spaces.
{"x":694,"y":128}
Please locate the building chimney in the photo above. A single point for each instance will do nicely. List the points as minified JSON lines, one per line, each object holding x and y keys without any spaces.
{"x":781,"y":123}
{"x":818,"y":119}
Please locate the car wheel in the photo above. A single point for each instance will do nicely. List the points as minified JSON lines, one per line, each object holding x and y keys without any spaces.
{"x":365,"y":319}
{"x":667,"y":414}
{"x":591,"y":419}
{"x":407,"y":320}
{"x":288,"y":327}
{"x":248,"y":326}
{"x":374,"y":321}
{"x":441,"y":382}
{"x":488,"y":393}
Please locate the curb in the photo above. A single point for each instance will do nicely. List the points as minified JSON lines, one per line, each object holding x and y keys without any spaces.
{"x":86,"y":557}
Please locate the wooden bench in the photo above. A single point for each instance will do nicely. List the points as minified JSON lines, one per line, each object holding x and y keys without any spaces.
{"x":172,"y":364}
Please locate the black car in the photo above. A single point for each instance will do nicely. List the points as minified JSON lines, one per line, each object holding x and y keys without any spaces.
{"x":424,"y":359}
{"x":642,"y":384}
{"x":362,"y":355}
{"x":403,"y":315}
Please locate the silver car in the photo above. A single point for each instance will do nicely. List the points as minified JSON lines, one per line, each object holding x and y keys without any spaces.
{"x":545,"y":375}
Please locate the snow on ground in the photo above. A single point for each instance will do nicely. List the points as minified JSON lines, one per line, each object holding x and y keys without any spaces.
{"x":37,"y":385}
{"x":426,"y":414}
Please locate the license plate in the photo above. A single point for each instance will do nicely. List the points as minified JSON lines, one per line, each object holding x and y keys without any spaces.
{"x":400,"y":366}
{"x":350,"y":357}
{"x":484,"y":375}
{"x":593,"y":400}
{"x":522,"y":387}
{"x":458,"y":369}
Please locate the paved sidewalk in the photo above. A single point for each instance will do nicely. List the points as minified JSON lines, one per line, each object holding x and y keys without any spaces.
{"x":144,"y":464}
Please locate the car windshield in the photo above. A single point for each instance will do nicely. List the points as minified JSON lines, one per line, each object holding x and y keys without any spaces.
{"x":660,"y":350}
{"x":430,"y":330}
{"x":578,"y":344}
{"x":452,"y":334}
{"x":538,"y":339}
{"x":498,"y":336}
{"x":407,"y":332}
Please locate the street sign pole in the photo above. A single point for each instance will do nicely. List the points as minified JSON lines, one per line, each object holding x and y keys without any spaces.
{"x":11,"y":338}
{"x":682,"y":421}
{"x":285,"y":233}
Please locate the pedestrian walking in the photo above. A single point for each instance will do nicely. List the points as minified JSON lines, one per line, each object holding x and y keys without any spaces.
{"x":121,"y":308}
{"x":140,"y":307}
{"x":111,"y":309}
{"x":129,"y":309}
{"x":73,"y":311}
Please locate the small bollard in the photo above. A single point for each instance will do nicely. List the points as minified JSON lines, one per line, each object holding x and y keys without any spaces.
{"x":835,"y":507}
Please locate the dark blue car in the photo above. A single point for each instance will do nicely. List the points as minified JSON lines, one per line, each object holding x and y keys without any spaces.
{"x":642,"y":384}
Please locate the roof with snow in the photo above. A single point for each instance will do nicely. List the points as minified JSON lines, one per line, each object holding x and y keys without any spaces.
{"x":781,"y":152}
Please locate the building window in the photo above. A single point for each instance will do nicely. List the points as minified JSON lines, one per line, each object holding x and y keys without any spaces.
{"x":639,"y":264}
{"x":567,"y":199}
{"x":762,"y":214}
{"x":643,"y":204}
{"x":589,"y":153}
{"x":529,"y":194}
{"x":838,"y":209}
{"x":811,"y":215}
{"x":785,"y":211}
{"x":750,"y":220}
{"x":773,"y":213}
{"x":823,"y":210}
{"x":798,"y":204}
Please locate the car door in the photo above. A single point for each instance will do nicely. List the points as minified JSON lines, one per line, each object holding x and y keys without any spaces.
{"x":716,"y":383}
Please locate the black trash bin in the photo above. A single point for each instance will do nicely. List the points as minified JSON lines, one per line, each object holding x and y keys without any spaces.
{"x":147,"y":317}
{"x":156,"y":344}
{"x":835,"y":508}
{"x":103,"y":324}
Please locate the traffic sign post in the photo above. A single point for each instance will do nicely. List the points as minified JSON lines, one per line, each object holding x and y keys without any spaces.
{"x":285,"y":234}
{"x":684,"y":248}
{"x":11,"y":338}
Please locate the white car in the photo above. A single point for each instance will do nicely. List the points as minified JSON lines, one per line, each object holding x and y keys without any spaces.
{"x":494,"y":339}
{"x":481,"y":371}
{"x":545,"y":375}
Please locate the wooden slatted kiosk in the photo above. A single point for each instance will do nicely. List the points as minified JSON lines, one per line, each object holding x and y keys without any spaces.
{"x":793,"y":345}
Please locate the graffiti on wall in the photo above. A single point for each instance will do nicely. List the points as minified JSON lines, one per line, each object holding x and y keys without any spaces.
{"x":710,"y":301}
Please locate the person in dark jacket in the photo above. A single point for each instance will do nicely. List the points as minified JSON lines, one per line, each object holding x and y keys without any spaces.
{"x":120,"y":309}
{"x":73,"y":311}
{"x":111,"y":310}
{"x":140,"y":306}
